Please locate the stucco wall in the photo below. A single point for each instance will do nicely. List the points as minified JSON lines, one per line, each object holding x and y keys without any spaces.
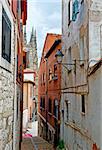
{"x":95,"y":107}
{"x":76,"y":131}
{"x":25,"y":119}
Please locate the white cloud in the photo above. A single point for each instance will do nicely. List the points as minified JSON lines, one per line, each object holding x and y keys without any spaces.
{"x":45,"y":1}
{"x":54,"y":30}
{"x":54,"y":16}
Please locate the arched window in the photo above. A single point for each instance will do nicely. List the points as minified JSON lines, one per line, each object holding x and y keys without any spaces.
{"x":40,"y":102}
{"x":55,"y":110}
{"x":50,"y":105}
{"x":43,"y":102}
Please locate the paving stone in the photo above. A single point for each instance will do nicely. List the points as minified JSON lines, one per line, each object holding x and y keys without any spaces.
{"x":41,"y":144}
{"x":27,"y":144}
{"x":35,"y":143}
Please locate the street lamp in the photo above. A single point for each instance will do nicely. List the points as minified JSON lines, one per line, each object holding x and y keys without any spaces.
{"x":59,"y":56}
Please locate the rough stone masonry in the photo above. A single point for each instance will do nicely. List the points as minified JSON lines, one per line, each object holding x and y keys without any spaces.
{"x":6,"y":109}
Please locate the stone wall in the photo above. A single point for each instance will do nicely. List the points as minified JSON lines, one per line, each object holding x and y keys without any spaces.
{"x":17,"y":117}
{"x":6,"y":88}
{"x":6,"y":109}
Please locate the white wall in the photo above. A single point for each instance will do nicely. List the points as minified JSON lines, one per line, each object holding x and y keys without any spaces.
{"x":29,"y":77}
{"x":25,"y":119}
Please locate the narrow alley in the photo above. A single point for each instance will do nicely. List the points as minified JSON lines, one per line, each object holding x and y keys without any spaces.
{"x":31,"y":140}
{"x":50,"y":74}
{"x":35,"y":143}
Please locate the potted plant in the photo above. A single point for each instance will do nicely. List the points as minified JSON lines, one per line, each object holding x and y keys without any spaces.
{"x":61,"y":145}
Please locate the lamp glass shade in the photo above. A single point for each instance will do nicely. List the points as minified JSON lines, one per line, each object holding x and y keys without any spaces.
{"x":59,"y":56}
{"x":59,"y":59}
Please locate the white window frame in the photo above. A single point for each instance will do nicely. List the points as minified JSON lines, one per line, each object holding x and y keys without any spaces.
{"x":67,"y":113}
{"x":3,"y":62}
{"x":70,"y":6}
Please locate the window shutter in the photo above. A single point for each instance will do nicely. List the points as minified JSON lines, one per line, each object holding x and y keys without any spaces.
{"x":75,"y":10}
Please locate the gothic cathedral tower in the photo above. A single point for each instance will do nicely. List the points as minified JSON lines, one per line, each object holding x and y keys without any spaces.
{"x":32,"y":52}
{"x":32,"y":62}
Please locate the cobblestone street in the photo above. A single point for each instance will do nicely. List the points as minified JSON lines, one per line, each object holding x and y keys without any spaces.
{"x":27,"y":144}
{"x":35,"y":143}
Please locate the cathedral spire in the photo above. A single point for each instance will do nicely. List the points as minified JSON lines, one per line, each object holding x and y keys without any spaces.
{"x":32,"y":35}
{"x":33,"y":49}
{"x":33,"y":39}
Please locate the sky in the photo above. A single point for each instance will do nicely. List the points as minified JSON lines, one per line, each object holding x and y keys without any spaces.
{"x":45,"y":17}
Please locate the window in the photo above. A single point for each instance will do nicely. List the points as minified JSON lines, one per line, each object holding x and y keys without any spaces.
{"x":70,"y":11}
{"x":55,"y":76}
{"x":81,"y":47}
{"x":9,"y":1}
{"x":82,"y":1}
{"x":69,"y":59}
{"x":50,"y":74}
{"x":50,"y":138}
{"x":83,"y":103}
{"x":43,"y":77}
{"x":55,"y":69}
{"x":75,"y":10}
{"x":50,"y":105}
{"x":18,"y":8}
{"x":55,"y":109}
{"x":67,"y":111}
{"x":17,"y":109}
{"x":67,"y":104}
{"x":6,"y":37}
{"x":43,"y":102}
{"x":17,"y":67}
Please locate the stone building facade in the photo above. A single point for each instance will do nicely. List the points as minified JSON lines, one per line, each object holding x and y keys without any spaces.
{"x":81,"y":38}
{"x":10,"y":19}
{"x":49,"y":90}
